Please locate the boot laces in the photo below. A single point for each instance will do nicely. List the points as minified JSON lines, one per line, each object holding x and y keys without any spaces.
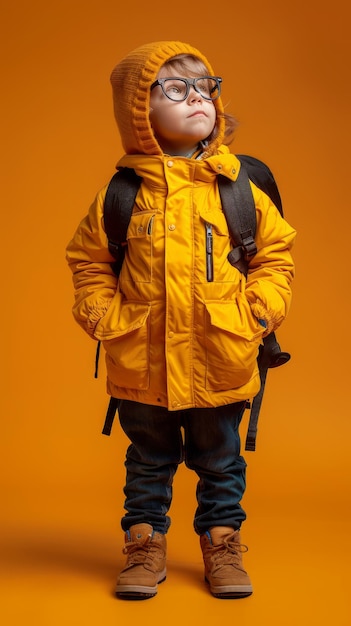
{"x":140,"y":553}
{"x":228,"y":553}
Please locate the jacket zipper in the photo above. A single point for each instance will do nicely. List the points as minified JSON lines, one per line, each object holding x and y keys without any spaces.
{"x":209,"y":252}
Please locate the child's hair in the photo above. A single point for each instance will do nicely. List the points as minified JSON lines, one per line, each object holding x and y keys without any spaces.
{"x":189,"y":65}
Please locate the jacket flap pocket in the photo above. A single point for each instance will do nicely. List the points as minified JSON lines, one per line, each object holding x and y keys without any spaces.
{"x":140,"y":225}
{"x":235,"y":317}
{"x":122,"y":319}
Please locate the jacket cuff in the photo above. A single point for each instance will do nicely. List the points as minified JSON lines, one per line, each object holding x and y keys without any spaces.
{"x":95,"y":314}
{"x":267,"y":318}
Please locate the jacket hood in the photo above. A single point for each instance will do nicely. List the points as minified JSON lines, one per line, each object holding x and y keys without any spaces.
{"x":131,"y":80}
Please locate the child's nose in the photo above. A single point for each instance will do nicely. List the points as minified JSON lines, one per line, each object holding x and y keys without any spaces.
{"x":194,"y":95}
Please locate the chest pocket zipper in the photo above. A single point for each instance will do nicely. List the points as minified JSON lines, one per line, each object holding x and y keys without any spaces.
{"x":209,"y":252}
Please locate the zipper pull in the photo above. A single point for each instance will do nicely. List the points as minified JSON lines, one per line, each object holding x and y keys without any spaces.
{"x":209,"y":252}
{"x":150,"y":225}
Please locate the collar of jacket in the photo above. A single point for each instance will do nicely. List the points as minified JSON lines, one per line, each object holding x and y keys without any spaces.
{"x":149,"y":166}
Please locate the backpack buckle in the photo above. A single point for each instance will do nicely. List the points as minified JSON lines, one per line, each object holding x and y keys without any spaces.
{"x":114,"y":248}
{"x":248,"y":244}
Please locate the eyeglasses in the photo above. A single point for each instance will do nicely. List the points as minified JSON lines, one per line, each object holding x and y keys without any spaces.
{"x":177,"y":89}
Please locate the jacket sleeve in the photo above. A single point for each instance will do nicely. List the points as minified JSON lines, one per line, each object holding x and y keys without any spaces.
{"x":89,"y":259}
{"x":271,"y":271}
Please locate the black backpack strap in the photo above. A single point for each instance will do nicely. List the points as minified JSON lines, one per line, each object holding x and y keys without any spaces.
{"x":110,"y":415}
{"x":242,"y":222}
{"x":118,"y":207}
{"x":239,"y":208}
{"x":270,"y":355}
{"x":250,"y":443}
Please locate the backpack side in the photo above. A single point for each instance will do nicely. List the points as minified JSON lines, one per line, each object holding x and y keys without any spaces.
{"x":262,"y":177}
{"x":270,"y":354}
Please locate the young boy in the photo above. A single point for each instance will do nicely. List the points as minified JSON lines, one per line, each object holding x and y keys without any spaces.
{"x":181,"y":326}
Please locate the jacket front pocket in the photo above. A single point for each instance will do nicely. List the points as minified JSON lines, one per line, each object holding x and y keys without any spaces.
{"x":232,"y":339}
{"x":138,"y":261}
{"x":127,"y":354}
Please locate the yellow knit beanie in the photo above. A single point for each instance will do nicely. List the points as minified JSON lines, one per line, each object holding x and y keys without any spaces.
{"x":131,"y":80}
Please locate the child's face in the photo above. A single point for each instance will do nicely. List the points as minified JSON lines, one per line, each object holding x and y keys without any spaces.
{"x":180,"y":126}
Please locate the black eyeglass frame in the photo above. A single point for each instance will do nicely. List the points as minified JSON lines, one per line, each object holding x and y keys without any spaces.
{"x":190,"y":82}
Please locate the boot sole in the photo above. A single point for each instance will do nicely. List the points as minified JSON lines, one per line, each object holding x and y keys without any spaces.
{"x":139,"y":592}
{"x":230,"y":591}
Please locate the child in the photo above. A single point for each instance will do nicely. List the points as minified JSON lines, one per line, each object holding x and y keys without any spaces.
{"x":181,"y":337}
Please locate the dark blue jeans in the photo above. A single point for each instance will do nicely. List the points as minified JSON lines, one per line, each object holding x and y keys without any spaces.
{"x":211,"y":447}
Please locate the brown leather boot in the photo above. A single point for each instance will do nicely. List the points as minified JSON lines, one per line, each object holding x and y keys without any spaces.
{"x":222,"y":554}
{"x":146,"y":563}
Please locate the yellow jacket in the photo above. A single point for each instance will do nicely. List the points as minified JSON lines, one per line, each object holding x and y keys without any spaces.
{"x":171,"y":337}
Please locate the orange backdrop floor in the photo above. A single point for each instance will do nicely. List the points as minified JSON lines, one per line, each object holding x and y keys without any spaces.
{"x":64,"y":572}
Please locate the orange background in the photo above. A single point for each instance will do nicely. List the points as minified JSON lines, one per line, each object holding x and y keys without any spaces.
{"x":286,"y":70}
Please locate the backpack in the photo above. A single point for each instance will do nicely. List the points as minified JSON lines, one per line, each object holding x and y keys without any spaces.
{"x":239,"y":209}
